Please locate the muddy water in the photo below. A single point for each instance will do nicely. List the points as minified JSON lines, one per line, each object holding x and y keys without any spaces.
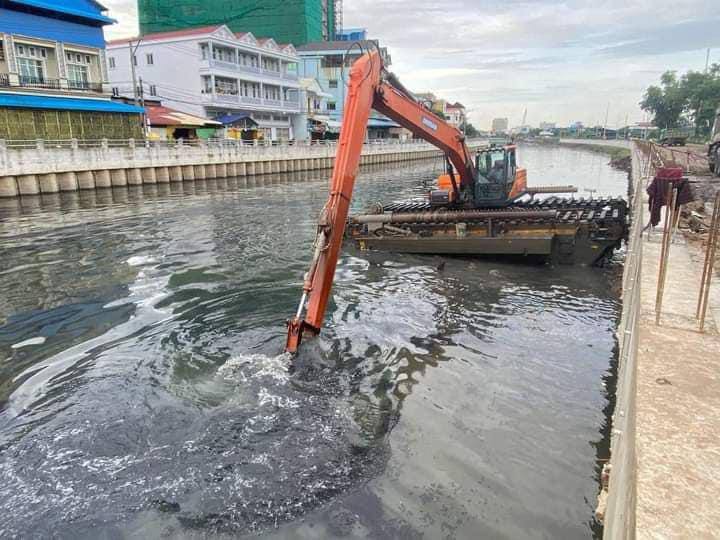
{"x":142,"y":394}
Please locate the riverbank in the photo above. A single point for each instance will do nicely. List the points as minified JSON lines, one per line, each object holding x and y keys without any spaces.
{"x":617,"y":150}
{"x":663,"y":478}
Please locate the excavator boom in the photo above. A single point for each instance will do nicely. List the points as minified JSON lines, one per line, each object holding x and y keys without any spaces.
{"x":366,"y":90}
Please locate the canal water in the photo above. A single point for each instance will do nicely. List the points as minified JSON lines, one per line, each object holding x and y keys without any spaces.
{"x":142,"y":393}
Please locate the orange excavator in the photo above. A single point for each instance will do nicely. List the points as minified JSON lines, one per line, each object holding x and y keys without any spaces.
{"x":472,"y":212}
{"x":370,"y":87}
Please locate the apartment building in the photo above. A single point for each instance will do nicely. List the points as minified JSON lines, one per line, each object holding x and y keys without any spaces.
{"x":329,"y":63}
{"x":52,"y":73}
{"x":212,"y":72}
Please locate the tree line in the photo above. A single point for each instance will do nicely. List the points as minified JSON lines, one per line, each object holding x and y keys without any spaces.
{"x":689,"y":100}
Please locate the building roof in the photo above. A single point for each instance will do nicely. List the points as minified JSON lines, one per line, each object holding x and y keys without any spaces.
{"x":167,"y":35}
{"x":77,"y":8}
{"x":456,"y":105}
{"x":231,"y":119}
{"x":26,"y":101}
{"x":336,"y":45}
{"x":165,"y":116}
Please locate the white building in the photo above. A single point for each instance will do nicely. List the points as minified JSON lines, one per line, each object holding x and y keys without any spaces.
{"x":212,"y":72}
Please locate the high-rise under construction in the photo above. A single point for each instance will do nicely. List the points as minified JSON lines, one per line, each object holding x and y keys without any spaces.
{"x":286,"y":21}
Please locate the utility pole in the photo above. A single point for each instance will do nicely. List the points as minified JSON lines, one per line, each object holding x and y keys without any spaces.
{"x":607,"y":112}
{"x":707,"y":60}
{"x":132,"y":69}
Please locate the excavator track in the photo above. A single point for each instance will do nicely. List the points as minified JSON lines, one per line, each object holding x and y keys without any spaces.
{"x":560,"y":230}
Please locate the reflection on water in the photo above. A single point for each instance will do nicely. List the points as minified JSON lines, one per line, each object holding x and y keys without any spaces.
{"x":142,"y":392}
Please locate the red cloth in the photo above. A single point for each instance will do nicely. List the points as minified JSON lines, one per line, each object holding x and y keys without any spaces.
{"x":658,"y":191}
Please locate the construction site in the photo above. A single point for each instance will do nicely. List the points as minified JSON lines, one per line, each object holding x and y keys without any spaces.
{"x":286,"y":21}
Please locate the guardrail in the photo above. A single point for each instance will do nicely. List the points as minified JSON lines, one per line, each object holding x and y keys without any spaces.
{"x":49,"y":144}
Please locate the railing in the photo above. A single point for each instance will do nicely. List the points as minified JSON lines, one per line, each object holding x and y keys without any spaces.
{"x":273,"y":102}
{"x":49,"y":144}
{"x":290,"y":76}
{"x":4,"y":80}
{"x":85,"y":85}
{"x":39,"y":82}
{"x":271,"y":73}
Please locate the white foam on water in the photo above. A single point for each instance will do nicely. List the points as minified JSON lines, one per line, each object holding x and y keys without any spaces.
{"x":255,"y":366}
{"x":32,"y":341}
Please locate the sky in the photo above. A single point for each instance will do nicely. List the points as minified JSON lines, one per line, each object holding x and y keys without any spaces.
{"x":560,"y":60}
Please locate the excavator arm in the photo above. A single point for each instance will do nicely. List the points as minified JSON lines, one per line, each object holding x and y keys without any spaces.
{"x":367,"y":89}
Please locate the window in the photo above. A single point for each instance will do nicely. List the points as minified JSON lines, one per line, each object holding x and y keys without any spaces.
{"x":87,"y":59}
{"x":134,"y":60}
{"x":78,"y":76}
{"x":333,"y":83}
{"x":2,"y":51}
{"x":331,"y":107}
{"x":149,"y":58}
{"x":153,"y":90}
{"x":204,"y":51}
{"x":31,"y":71}
{"x":111,"y":62}
{"x":115,"y":91}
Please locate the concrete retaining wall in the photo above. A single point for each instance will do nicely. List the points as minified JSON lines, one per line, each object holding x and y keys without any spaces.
{"x":619,"y":497}
{"x":48,"y":168}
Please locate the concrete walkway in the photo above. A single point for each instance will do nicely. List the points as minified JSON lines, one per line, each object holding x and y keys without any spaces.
{"x":678,"y":402}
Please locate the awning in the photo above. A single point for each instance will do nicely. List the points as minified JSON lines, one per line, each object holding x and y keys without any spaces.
{"x":26,"y":101}
{"x":77,"y":8}
{"x":239,"y":118}
{"x":320,"y":118}
{"x":311,"y":86}
{"x":382,"y":123}
{"x":164,"y":116}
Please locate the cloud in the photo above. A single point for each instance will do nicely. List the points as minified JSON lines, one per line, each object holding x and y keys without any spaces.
{"x":563,"y":60}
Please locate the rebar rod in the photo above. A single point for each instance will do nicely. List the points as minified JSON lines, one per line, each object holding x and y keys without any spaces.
{"x":665,"y":254}
{"x":712,"y":247}
{"x":716,"y":209}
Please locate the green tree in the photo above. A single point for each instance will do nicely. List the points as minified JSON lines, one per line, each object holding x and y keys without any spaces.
{"x":702,"y":91}
{"x":689,"y":100}
{"x":666,"y":102}
{"x":470,"y":130}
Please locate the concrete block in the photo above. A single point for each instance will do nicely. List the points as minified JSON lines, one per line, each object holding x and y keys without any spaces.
{"x":85,"y":180}
{"x":67,"y":181}
{"x":162,"y":175}
{"x":240,"y":169}
{"x":221,"y":170}
{"x":211,"y":171}
{"x":8,"y":186}
{"x":250,"y":168}
{"x":188,"y":172}
{"x":118,"y":177}
{"x":231,"y":170}
{"x":134,"y":177}
{"x":148,"y":175}
{"x":48,"y":183}
{"x":103,"y":179}
{"x":199,"y":172}
{"x":176,"y":174}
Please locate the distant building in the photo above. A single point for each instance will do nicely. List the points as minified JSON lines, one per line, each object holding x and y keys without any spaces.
{"x":351,"y":34}
{"x":288,"y":21}
{"x":547,"y":126}
{"x":500,"y":125}
{"x":455,"y":114}
{"x":329,"y":63}
{"x":312,"y":122}
{"x":212,"y":72}
{"x":52,"y":73}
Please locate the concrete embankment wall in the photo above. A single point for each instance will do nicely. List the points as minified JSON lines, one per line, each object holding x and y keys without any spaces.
{"x":618,"y":501}
{"x":48,"y":168}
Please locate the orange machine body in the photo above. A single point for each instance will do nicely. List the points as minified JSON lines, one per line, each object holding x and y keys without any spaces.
{"x":367,"y":90}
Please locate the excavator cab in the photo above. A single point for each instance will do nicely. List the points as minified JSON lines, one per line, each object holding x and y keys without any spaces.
{"x":499,"y":179}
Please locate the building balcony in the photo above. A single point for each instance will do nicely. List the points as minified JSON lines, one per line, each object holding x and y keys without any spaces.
{"x":272,"y":73}
{"x":43,"y":83}
{"x":230,"y":66}
{"x":290,"y":76}
{"x":229,"y":99}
